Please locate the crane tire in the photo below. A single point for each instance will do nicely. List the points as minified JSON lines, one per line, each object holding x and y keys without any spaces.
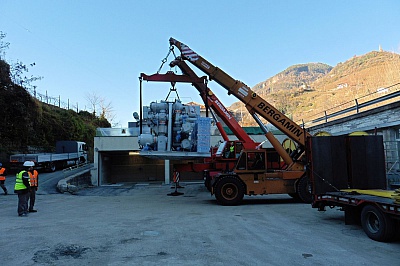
{"x":295,"y":196}
{"x":229,"y":191}
{"x":376,"y":224}
{"x":304,"y":191}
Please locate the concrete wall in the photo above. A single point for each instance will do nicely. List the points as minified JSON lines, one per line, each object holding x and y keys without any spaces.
{"x":102,"y":144}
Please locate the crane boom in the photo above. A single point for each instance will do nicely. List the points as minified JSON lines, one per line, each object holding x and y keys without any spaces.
{"x":253,"y":102}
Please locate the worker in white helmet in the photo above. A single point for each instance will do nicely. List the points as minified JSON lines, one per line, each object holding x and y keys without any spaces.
{"x":22,"y":188}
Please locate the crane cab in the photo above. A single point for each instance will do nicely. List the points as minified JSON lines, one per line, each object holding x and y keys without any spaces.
{"x":253,"y":174}
{"x":251,"y":161}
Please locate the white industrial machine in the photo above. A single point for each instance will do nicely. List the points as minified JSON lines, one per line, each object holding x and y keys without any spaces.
{"x":175,"y":127}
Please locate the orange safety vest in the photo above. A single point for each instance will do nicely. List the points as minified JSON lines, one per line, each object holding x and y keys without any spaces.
{"x":2,"y":176}
{"x":33,"y":178}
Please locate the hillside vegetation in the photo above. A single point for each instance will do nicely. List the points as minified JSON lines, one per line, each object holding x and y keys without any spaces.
{"x":29,"y":125}
{"x":307,"y":90}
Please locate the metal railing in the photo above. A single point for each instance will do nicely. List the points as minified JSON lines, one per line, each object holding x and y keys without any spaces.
{"x":372,"y":100}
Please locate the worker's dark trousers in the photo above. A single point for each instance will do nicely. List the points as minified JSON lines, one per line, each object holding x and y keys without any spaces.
{"x":32,"y":198}
{"x":23,"y":202}
{"x":3,"y":186}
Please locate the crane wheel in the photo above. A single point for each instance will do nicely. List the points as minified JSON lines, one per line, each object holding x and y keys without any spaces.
{"x":376,"y":224}
{"x":295,"y":196}
{"x":304,"y":190}
{"x":207,"y":180}
{"x":229,"y":191}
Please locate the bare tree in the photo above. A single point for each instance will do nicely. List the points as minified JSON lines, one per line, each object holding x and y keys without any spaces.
{"x":3,"y":45}
{"x":94,"y":101}
{"x":107,"y":111}
{"x":98,"y":105}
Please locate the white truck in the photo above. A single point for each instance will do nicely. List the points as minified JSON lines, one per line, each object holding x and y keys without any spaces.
{"x":68,"y":153}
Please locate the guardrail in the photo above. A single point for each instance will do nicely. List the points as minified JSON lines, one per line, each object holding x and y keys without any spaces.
{"x":372,"y":100}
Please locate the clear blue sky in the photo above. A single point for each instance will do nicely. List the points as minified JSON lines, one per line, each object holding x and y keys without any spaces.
{"x":101,"y":47}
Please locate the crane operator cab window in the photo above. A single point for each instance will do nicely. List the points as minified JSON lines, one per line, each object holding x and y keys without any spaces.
{"x":257,"y":161}
{"x":229,"y":149}
{"x":251,"y":161}
{"x":238,"y":149}
{"x":233,"y":149}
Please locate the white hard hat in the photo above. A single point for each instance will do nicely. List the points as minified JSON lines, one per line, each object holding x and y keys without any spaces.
{"x":29,"y":164}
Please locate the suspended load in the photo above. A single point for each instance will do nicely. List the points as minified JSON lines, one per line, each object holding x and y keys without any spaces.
{"x":175,"y":128}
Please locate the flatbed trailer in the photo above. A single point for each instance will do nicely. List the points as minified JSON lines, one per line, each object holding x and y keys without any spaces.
{"x":348,"y":172}
{"x":50,"y":161}
{"x":68,"y":152}
{"x":378,"y":215}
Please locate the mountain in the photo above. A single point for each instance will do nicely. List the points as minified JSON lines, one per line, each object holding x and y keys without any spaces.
{"x":306,"y":90}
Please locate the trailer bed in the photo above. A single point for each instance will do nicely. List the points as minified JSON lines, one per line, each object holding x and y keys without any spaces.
{"x":43,"y":157}
{"x":344,"y":198}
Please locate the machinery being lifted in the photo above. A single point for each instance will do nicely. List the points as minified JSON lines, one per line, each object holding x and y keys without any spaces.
{"x":173,"y":126}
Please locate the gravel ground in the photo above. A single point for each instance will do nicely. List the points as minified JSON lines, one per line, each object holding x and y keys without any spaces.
{"x":139,"y":224}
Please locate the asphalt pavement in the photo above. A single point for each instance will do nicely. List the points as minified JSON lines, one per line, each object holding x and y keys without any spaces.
{"x":139,"y":224}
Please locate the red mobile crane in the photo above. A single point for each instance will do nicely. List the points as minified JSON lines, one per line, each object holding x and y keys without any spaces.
{"x":251,"y":175}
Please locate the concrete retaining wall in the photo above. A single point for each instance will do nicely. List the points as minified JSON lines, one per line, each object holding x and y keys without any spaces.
{"x":75,"y":182}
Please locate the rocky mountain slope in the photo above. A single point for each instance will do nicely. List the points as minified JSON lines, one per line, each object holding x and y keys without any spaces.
{"x":305,"y":91}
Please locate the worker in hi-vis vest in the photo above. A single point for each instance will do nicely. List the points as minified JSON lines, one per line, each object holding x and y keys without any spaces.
{"x":22,"y":188}
{"x":3,"y":178}
{"x":34,"y":181}
{"x":232,"y":150}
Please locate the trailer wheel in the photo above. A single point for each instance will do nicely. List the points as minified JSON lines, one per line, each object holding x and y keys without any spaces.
{"x":229,"y":191}
{"x":81,"y":160}
{"x":207,"y":180}
{"x":397,"y":225}
{"x":376,"y":225}
{"x":52,"y":167}
{"x":304,"y":190}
